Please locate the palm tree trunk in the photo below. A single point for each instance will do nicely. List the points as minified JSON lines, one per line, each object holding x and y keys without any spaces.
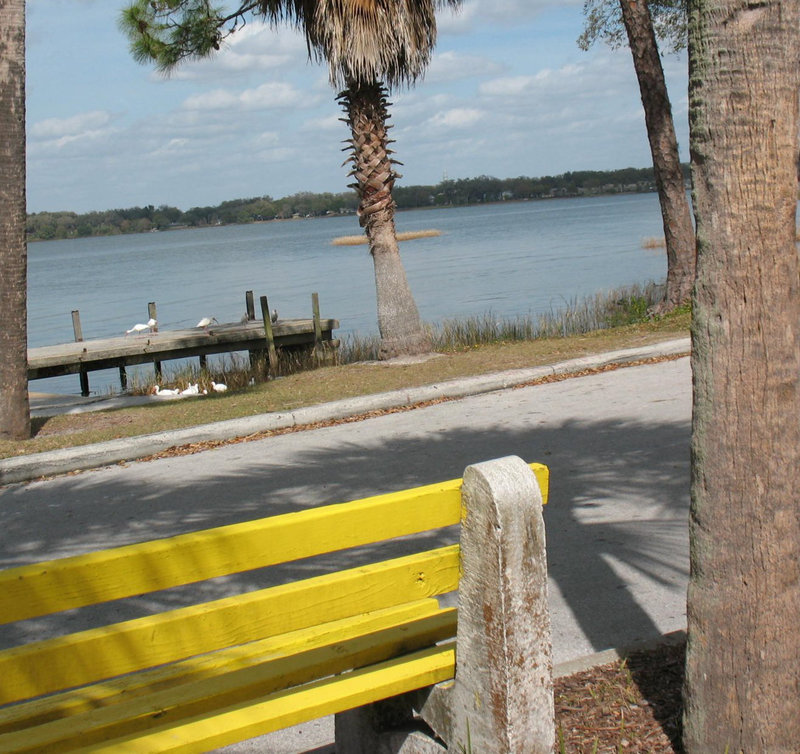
{"x":14,"y":409}
{"x":399,"y":323}
{"x":742,"y":691}
{"x":675,"y":213}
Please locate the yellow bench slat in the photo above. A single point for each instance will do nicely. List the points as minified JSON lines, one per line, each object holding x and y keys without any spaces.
{"x":104,"y":693}
{"x":88,"y":656}
{"x":49,"y":587}
{"x":242,"y":686}
{"x":298,"y":705}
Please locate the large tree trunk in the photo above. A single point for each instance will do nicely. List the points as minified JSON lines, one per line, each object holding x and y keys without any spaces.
{"x":399,"y":323}
{"x":742,"y":690}
{"x":677,"y":219}
{"x":14,"y":410}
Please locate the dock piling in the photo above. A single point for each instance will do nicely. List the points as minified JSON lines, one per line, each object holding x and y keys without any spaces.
{"x":272,"y":356}
{"x":152,"y":313}
{"x":250,"y":306}
{"x":77,"y":331}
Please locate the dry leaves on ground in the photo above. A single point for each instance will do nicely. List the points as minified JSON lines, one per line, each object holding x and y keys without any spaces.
{"x":632,"y":706}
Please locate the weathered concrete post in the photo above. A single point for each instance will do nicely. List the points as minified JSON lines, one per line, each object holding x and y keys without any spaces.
{"x":502,"y":698}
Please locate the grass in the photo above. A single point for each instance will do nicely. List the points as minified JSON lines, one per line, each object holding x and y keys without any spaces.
{"x":408,"y":235}
{"x":654,"y":242}
{"x":485,"y":347}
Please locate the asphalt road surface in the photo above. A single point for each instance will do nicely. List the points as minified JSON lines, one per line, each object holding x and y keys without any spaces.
{"x":617,"y":445}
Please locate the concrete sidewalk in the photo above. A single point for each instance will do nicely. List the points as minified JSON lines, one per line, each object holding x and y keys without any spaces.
{"x":25,"y":468}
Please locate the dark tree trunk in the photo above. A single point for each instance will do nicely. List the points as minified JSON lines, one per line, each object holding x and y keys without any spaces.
{"x":14,"y":410}
{"x":677,"y":219}
{"x":742,"y":691}
{"x":399,"y":323}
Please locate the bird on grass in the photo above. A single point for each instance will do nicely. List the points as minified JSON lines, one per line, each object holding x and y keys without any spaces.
{"x":139,"y":328}
{"x":191,"y":390}
{"x":219,"y":387}
{"x":166,"y":391}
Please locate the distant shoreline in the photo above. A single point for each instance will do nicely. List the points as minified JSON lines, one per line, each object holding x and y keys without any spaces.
{"x":57,"y":226}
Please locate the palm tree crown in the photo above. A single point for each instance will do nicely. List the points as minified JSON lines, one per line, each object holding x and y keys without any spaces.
{"x":361,"y":40}
{"x":365,"y":40}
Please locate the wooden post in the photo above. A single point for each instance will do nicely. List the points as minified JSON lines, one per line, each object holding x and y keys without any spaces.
{"x":317,"y":352}
{"x":250,"y":306}
{"x":83,"y":375}
{"x":272,"y":356}
{"x":151,"y":314}
{"x":502,"y":697}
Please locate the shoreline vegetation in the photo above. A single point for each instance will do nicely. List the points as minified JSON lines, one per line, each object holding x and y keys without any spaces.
{"x":465,"y":347}
{"x":47,"y":226}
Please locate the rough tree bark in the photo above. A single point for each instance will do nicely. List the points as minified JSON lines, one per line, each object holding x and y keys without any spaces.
{"x":399,"y":323}
{"x":677,"y":219}
{"x":14,"y":409}
{"x":742,"y":691}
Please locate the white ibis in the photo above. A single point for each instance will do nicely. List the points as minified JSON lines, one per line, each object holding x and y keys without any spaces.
{"x":139,"y":328}
{"x":219,"y":387}
{"x":191,"y":390}
{"x":206,"y":321}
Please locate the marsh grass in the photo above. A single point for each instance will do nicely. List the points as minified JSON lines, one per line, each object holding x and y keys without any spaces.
{"x":616,"y":308}
{"x":612,"y":309}
{"x":654,"y":242}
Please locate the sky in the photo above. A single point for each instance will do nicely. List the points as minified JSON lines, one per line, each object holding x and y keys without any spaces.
{"x":508,"y":93}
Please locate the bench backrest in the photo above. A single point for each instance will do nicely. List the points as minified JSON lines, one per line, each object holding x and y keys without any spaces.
{"x":45,"y":588}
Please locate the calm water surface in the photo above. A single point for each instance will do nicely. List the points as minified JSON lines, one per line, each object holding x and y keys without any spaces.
{"x":515,"y":258}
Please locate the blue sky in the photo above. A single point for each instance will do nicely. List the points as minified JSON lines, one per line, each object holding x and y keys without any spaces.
{"x":508,"y":93}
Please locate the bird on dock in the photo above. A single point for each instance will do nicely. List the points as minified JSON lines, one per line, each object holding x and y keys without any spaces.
{"x":219,"y":387}
{"x":139,"y":328}
{"x":274,"y":316}
{"x":205,"y":322}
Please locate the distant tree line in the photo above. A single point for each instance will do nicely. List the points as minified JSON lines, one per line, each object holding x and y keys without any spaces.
{"x":43,"y":226}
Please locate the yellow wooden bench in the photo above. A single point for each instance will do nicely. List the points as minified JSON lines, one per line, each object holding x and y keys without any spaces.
{"x":203,"y":676}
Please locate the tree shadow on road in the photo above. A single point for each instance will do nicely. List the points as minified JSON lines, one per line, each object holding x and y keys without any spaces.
{"x":617,"y":514}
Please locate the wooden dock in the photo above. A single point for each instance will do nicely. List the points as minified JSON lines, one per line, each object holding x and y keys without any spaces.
{"x":105,"y":353}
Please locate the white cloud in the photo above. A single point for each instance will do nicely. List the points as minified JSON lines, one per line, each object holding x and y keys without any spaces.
{"x":476,"y":12}
{"x":460,"y":117}
{"x":75,"y":126}
{"x":264,"y":97}
{"x":326,"y":123}
{"x":511,"y":86}
{"x":267,"y":139}
{"x":255,"y":48}
{"x":601,"y":75}
{"x":454,"y":66}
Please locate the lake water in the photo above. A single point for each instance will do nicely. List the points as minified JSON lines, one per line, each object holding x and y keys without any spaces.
{"x":510,"y":259}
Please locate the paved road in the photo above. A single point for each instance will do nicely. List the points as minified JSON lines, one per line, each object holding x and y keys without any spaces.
{"x":617,"y":445}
